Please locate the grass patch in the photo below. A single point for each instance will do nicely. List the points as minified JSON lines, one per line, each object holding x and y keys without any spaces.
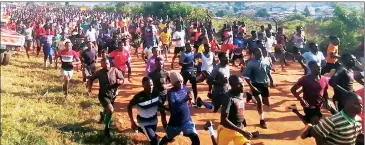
{"x":27,"y":117}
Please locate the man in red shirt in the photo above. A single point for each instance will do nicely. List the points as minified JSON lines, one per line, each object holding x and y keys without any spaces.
{"x":39,"y":31}
{"x":121,"y":58}
{"x":67,"y":56}
{"x":315,"y":94}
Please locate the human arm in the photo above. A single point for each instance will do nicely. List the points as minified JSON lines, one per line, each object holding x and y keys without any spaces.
{"x":294,"y":91}
{"x":333,"y":82}
{"x":322,"y":130}
{"x":90,"y":81}
{"x":246,"y":74}
{"x":228,"y":124}
{"x":132,"y":103}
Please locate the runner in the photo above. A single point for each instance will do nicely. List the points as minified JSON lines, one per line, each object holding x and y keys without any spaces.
{"x":218,"y":84}
{"x":48,"y":51}
{"x":28,"y":33}
{"x":147,"y":104}
{"x":121,"y":59}
{"x":280,"y":47}
{"x":110,"y":78}
{"x":269,"y":44}
{"x":315,"y":94}
{"x":151,"y":66}
{"x":313,"y":55}
{"x":256,"y":75}
{"x":187,"y":68}
{"x":238,"y":51}
{"x":208,"y":60}
{"x":179,"y":39}
{"x":180,"y":119}
{"x":159,"y":77}
{"x":165,"y":38}
{"x":38,"y":33}
{"x":67,"y":56}
{"x":332,"y":56}
{"x":340,"y":128}
{"x":88,"y":60}
{"x":342,"y":80}
{"x":299,"y":41}
{"x":232,"y":125}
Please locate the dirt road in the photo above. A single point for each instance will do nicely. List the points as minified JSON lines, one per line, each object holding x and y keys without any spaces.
{"x":283,"y":126}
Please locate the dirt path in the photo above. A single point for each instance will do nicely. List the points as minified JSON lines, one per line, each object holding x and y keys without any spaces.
{"x":283,"y":126}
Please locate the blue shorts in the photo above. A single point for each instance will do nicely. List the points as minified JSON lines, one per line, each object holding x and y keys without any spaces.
{"x":187,"y":129}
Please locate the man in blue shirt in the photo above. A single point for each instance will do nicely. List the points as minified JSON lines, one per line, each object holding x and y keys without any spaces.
{"x":237,"y":52}
{"x":180,"y":119}
{"x":187,"y":68}
{"x":256,"y":75}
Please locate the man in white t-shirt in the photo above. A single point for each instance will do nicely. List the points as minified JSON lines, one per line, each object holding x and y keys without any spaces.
{"x":313,"y":55}
{"x":91,"y":34}
{"x":269,"y":44}
{"x":179,"y":38}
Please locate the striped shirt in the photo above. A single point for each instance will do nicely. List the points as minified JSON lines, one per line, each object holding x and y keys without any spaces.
{"x":339,"y":129}
{"x":147,"y":107}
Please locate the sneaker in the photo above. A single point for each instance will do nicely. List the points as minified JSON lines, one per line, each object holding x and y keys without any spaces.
{"x":198,"y":102}
{"x":263,"y":124}
{"x":107,"y":132}
{"x":249,"y":97}
{"x":101,"y":117}
{"x":207,"y":125}
{"x":293,"y":108}
{"x":255,"y":134}
{"x":306,"y":132}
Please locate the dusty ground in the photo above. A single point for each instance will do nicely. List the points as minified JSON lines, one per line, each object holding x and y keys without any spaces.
{"x":283,"y":126}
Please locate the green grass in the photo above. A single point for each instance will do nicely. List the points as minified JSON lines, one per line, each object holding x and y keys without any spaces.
{"x":29,"y":118}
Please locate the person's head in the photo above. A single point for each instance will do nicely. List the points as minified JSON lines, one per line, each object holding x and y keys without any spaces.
{"x":334,"y":40}
{"x":223,"y":58}
{"x":268,"y":33}
{"x":313,"y":47}
{"x":348,"y":60}
{"x":236,"y":83}
{"x":48,"y":31}
{"x":89,"y":44}
{"x":280,"y":30}
{"x":165,"y":29}
{"x":159,"y":63}
{"x":68,"y":46}
{"x":188,"y":46}
{"x":299,"y":29}
{"x":206,"y":48}
{"x":314,"y":68}
{"x":352,"y":103}
{"x":176,"y":80}
{"x":105,"y":64}
{"x":154,"y":51}
{"x":269,"y":26}
{"x":257,"y":53}
{"x":262,"y":27}
{"x":253,"y":34}
{"x":147,"y":84}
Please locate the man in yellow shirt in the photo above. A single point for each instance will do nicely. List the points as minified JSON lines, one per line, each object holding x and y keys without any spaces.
{"x":332,"y":55}
{"x":165,"y":38}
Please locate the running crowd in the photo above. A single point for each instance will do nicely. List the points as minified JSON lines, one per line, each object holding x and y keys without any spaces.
{"x":78,"y":38}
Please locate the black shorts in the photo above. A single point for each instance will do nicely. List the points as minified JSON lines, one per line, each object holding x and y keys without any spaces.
{"x":329,"y":66}
{"x":297,"y":50}
{"x":235,"y":56}
{"x":105,"y":101}
{"x":177,"y":50}
{"x":263,"y":90}
{"x":189,"y":76}
{"x":309,"y":113}
{"x":205,"y":73}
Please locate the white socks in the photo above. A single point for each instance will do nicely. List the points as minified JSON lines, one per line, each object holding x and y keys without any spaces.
{"x":262,"y":116}
{"x":212,"y":132}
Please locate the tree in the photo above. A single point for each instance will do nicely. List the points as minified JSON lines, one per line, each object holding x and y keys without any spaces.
{"x":221,"y":13}
{"x":235,"y":9}
{"x":317,"y":10}
{"x":307,"y":13}
{"x":262,"y":13}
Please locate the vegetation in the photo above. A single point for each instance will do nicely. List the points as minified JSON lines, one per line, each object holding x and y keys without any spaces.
{"x":35,"y":112}
{"x":262,"y":13}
